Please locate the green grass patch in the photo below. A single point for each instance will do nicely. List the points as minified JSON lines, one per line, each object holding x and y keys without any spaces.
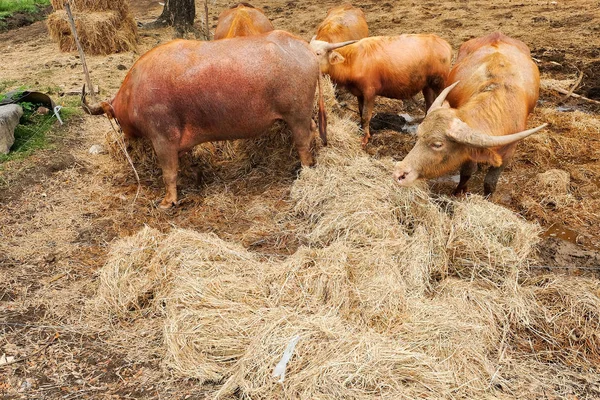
{"x":9,"y":7}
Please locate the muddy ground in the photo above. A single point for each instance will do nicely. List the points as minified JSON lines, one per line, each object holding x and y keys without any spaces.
{"x":61,"y":208}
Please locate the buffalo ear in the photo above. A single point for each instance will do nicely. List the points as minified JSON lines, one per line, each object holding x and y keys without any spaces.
{"x":486,"y":156}
{"x":336,"y":58}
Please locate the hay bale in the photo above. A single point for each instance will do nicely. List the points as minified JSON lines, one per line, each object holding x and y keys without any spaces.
{"x":93,"y":5}
{"x":102,"y":32}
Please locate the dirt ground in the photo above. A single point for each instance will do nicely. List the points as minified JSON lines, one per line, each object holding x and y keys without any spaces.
{"x":62,"y":207}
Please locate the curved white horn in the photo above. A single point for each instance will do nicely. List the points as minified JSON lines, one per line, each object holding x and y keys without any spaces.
{"x":333,"y":46}
{"x":477,"y":139}
{"x":440,"y":99}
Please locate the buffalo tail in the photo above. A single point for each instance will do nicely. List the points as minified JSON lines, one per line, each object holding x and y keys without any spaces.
{"x":103,"y":107}
{"x":322,"y":115}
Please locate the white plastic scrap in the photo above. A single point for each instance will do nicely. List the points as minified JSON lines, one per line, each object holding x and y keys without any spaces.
{"x":279,"y":370}
{"x":56,"y":113}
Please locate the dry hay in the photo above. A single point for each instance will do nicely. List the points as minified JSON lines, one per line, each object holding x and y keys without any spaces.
{"x":553,"y":188}
{"x":102,"y":32}
{"x":92,"y":5}
{"x":392,"y":293}
{"x":489,"y":242}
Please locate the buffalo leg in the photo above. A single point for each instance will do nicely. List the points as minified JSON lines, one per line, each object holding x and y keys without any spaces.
{"x":491,"y":179}
{"x":466,"y":170}
{"x":429,"y":95}
{"x":361,"y":103}
{"x":303,"y":134}
{"x":365,"y":120}
{"x":168,"y":159}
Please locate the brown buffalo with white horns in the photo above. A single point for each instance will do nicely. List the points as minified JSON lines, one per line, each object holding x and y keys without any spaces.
{"x":188,"y":92}
{"x":343,"y":23}
{"x":242,"y":20}
{"x":397,"y":67}
{"x":495,"y":87}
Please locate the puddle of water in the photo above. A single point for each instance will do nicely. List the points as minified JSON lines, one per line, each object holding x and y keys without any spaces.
{"x":411,"y":128}
{"x":407,"y":118}
{"x":561,"y":232}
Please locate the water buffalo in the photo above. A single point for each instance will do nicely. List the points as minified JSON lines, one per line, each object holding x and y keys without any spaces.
{"x":242,"y":20}
{"x":397,"y":67}
{"x":343,"y":23}
{"x":187,"y":92}
{"x":495,"y":85}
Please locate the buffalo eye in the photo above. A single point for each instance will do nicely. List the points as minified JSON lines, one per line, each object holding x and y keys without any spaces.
{"x":436,"y":145}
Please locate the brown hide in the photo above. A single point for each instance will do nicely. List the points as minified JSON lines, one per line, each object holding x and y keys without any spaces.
{"x":343,"y":23}
{"x":397,"y":67}
{"x":498,"y":86}
{"x":242,"y":20}
{"x":187,"y":92}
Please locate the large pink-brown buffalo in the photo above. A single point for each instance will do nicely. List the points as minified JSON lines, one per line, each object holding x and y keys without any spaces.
{"x":184,"y":93}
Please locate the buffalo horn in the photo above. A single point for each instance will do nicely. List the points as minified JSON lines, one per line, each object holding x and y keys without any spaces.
{"x":477,"y":139}
{"x":333,"y":46}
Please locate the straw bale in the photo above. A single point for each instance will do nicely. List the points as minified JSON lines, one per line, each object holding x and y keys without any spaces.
{"x":93,"y":5}
{"x":489,"y":241}
{"x":103,"y":32}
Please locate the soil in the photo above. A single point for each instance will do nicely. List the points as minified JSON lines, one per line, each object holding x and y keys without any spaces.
{"x":61,"y":208}
{"x":20,"y":19}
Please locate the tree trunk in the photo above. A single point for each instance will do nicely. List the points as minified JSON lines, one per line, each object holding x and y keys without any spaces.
{"x":177,"y":13}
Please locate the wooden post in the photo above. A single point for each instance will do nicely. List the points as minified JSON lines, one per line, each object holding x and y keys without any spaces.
{"x":206,"y":19}
{"x":81,"y":54}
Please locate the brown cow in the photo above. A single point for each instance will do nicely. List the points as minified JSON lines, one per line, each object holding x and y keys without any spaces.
{"x":188,"y":92}
{"x":242,"y":20}
{"x":496,"y":86}
{"x":397,"y":67}
{"x":343,"y":23}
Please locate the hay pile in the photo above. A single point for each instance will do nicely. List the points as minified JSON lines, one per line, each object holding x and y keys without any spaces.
{"x":393,"y":294}
{"x":103,"y":27}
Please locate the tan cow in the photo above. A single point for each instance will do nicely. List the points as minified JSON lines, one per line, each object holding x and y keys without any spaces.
{"x":343,"y":23}
{"x":397,"y":67}
{"x":495,"y":87}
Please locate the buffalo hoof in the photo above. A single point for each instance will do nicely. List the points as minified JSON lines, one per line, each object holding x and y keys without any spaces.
{"x":459,"y":192}
{"x":166,"y":204}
